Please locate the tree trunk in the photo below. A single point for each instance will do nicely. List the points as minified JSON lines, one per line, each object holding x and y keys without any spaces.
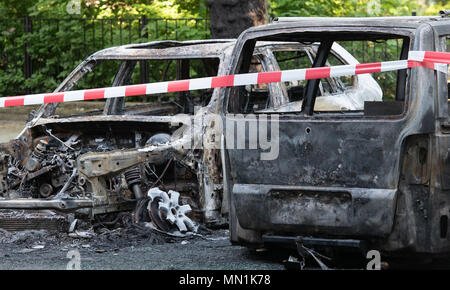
{"x":228,"y":18}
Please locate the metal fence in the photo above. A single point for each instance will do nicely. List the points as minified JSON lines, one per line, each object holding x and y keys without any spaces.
{"x":36,"y":54}
{"x":31,"y":48}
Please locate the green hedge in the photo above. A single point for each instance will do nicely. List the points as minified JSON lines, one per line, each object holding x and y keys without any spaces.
{"x":57,"y":46}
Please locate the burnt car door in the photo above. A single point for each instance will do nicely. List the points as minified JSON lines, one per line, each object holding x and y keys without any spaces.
{"x":334,"y":172}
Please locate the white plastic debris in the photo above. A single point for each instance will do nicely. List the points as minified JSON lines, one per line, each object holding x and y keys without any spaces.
{"x":73,"y":225}
{"x":171,"y":210}
{"x":81,"y":234}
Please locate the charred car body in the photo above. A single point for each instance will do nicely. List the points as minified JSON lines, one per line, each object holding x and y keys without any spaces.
{"x":377,"y":176}
{"x":106,"y":161}
{"x":85,"y":162}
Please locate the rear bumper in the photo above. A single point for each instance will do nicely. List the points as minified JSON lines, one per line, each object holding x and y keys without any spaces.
{"x":293,"y":242}
{"x":315,"y":210}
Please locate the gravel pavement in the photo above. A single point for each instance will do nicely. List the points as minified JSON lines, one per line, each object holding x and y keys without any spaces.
{"x":42,"y":250}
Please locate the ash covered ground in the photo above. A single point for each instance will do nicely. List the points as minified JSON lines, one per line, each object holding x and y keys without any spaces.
{"x":134,"y":247}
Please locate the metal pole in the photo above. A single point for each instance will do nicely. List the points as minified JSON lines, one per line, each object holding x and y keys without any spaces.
{"x":28,"y":67}
{"x":143,"y":64}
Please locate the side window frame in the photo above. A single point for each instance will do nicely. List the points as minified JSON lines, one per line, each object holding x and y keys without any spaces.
{"x":446,"y":41}
{"x":443,"y":102}
{"x":277,"y":92}
{"x":447,"y":44}
{"x":245,"y":46}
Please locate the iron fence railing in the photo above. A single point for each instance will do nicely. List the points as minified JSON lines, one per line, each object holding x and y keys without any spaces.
{"x":31,"y":48}
{"x":36,"y":54}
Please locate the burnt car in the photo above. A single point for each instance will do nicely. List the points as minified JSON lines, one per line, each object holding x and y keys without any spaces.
{"x":105,"y":161}
{"x":376,"y":176}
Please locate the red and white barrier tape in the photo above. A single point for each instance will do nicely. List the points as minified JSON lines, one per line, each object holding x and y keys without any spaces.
{"x":428,"y":59}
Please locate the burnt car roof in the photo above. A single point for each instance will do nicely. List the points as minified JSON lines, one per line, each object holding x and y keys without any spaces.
{"x":302,"y":22}
{"x":170,"y":49}
{"x":167,"y":49}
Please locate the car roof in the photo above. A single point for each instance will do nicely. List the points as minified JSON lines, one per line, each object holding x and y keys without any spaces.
{"x":395,"y":22}
{"x":170,"y":49}
{"x":166,"y":49}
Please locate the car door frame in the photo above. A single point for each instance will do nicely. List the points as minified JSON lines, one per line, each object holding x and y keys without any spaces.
{"x":406,"y":125}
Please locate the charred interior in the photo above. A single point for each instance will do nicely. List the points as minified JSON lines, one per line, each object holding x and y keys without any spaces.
{"x":46,"y":167}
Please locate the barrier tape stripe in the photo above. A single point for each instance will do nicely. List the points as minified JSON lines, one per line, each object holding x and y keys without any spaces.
{"x":429,"y":59}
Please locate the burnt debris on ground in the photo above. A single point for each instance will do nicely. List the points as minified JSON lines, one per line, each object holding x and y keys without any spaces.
{"x":98,"y":237}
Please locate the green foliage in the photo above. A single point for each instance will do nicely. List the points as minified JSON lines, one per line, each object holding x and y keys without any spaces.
{"x":56,"y":47}
{"x":15,"y":8}
{"x":194,"y":8}
{"x":349,"y":8}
